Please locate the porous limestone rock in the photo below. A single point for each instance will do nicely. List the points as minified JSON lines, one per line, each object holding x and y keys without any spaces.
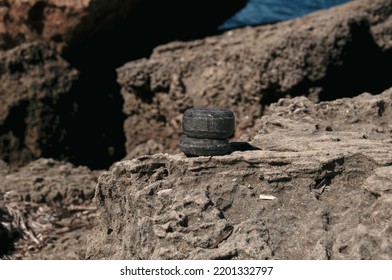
{"x":318,"y":187}
{"x":36,"y":102}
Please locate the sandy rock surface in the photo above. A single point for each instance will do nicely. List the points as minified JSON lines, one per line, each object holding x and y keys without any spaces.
{"x":325,"y":55}
{"x":47,"y":180}
{"x":46,"y":210}
{"x":319,"y":187}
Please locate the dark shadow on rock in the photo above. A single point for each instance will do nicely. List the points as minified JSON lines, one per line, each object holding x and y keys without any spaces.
{"x":363,"y":67}
{"x":242,"y":147}
{"x":7,"y":237}
{"x":359,"y":68}
{"x":97,"y":136}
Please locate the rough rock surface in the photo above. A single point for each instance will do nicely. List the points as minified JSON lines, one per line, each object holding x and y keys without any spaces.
{"x":321,"y":56}
{"x":48,"y":181}
{"x":45,"y":210}
{"x":35,"y":83}
{"x":57,"y":20}
{"x":326,"y":166}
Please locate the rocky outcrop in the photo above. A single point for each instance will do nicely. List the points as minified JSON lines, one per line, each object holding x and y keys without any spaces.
{"x":57,"y":20}
{"x":318,"y":187}
{"x":329,"y":54}
{"x":35,"y":86}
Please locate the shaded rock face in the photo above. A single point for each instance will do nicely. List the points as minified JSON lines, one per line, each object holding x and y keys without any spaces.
{"x":76,"y":113}
{"x":326,"y":166}
{"x":47,"y":111}
{"x":148,"y":24}
{"x":35,"y":83}
{"x":76,"y":22}
{"x":65,"y":127}
{"x":330,"y":54}
{"x":57,"y":20}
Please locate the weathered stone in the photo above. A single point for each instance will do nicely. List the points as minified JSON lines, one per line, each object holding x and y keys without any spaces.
{"x":45,"y":210}
{"x":331,"y":188}
{"x":49,"y":181}
{"x":34,"y":83}
{"x":329,"y":54}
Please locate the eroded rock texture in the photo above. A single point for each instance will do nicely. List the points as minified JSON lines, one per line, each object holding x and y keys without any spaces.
{"x":325,"y":55}
{"x":35,"y":83}
{"x":327,"y":167}
{"x":48,"y":181}
{"x":45,"y":210}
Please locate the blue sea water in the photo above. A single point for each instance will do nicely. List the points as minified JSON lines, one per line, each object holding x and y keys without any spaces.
{"x":258,"y":12}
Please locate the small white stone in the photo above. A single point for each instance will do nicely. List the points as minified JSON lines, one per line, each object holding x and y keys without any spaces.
{"x":267,"y":197}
